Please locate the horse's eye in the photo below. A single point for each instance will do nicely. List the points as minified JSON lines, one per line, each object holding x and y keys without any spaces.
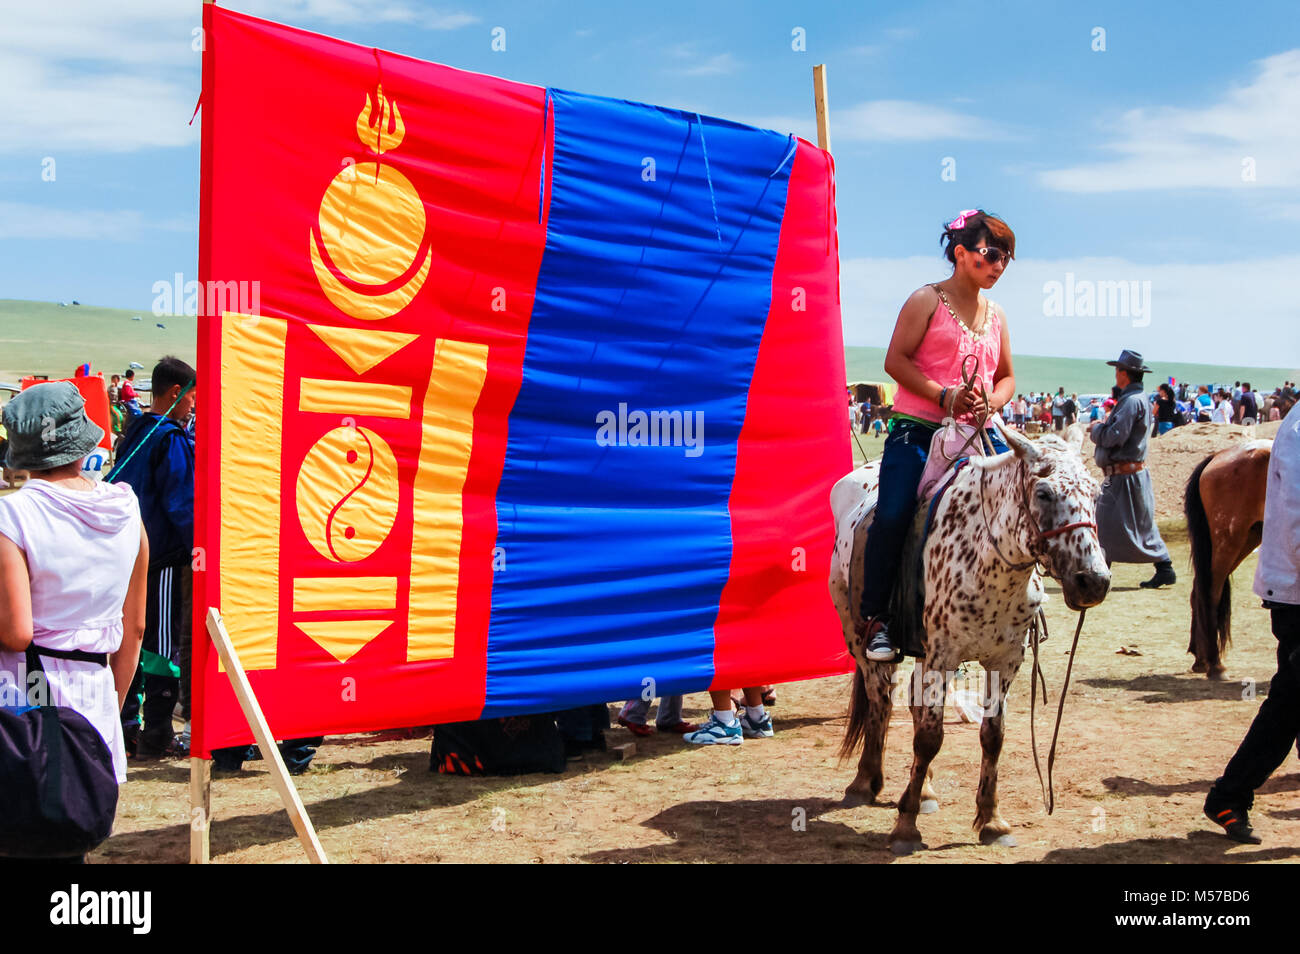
{"x":1044,"y":494}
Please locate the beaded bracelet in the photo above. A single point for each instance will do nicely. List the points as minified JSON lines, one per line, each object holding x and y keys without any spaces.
{"x":943,"y":395}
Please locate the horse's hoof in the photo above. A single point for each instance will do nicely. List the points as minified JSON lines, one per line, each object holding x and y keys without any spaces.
{"x":901,"y":848}
{"x":928,"y":806}
{"x":1199,"y":666}
{"x":993,"y":838}
{"x":1215,"y":674}
{"x":856,"y":797}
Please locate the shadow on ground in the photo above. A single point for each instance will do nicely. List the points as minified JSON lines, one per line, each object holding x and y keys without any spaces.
{"x":758,"y":831}
{"x":1139,"y":787}
{"x":1165,"y":687}
{"x":1199,"y":847}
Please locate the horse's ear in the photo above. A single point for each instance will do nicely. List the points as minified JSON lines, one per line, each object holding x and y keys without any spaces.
{"x":1074,"y":437}
{"x":1022,"y":446}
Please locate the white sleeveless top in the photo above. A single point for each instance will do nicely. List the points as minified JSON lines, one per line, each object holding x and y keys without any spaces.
{"x":81,"y":547}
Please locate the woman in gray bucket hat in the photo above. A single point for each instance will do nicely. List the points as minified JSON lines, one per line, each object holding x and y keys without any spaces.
{"x":73,"y":560}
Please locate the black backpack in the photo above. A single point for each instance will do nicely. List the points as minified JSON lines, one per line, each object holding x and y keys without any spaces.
{"x":514,"y":745}
{"x":56,"y":773}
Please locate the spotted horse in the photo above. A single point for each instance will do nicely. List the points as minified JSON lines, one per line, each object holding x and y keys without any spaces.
{"x":1003,"y":521}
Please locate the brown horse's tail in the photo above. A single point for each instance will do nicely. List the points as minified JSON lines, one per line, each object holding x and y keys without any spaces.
{"x":859,"y":707}
{"x":1211,"y":619}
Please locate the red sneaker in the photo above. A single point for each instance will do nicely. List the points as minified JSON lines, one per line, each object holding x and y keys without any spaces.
{"x":636,"y":728}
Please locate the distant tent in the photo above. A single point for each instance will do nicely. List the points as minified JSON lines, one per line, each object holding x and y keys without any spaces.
{"x":136,"y":318}
{"x":136,"y":364}
{"x":160,"y":325}
{"x":879,"y":393}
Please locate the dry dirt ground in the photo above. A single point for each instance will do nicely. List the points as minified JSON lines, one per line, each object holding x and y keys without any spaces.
{"x":1143,"y":739}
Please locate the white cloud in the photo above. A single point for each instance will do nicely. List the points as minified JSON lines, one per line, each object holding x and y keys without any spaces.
{"x":353,"y":11}
{"x":22,"y":220}
{"x":49,"y":107}
{"x":699,"y":64}
{"x":890,"y":121}
{"x":718,"y":65}
{"x":107,"y":77}
{"x":1221,"y":313}
{"x":1204,"y":147}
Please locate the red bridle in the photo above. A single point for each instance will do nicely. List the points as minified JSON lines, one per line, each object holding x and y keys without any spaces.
{"x":1042,"y":535}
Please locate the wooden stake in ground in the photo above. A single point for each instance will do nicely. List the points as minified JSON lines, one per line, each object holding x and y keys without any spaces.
{"x":823,"y":110}
{"x":200,"y":810}
{"x":270,"y":753}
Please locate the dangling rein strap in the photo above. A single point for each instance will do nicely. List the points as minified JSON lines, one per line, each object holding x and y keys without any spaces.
{"x":970,"y":381}
{"x":1049,"y":794}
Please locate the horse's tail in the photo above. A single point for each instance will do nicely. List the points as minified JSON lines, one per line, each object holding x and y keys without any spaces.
{"x":859,"y":708}
{"x":1211,"y":622}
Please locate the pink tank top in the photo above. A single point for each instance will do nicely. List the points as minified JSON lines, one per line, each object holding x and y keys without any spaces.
{"x":947,"y":341}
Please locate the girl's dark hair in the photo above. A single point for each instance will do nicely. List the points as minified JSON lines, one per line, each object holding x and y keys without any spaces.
{"x":1166,"y":389}
{"x":980,"y":228}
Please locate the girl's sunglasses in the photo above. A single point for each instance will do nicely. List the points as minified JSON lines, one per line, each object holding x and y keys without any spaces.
{"x":993,"y":255}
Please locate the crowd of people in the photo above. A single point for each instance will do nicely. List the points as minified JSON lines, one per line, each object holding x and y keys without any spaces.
{"x":1173,"y":405}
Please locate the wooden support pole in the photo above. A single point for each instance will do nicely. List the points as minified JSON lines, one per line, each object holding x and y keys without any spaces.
{"x":262,"y":733}
{"x":200,"y":810}
{"x":823,"y":110}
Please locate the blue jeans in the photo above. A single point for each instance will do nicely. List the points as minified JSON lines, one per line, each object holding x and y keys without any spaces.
{"x":901,"y":466}
{"x":1164,"y":427}
{"x":638,"y":711}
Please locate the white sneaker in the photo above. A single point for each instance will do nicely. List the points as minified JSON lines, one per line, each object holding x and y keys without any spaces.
{"x":715,"y":732}
{"x":757,"y":730}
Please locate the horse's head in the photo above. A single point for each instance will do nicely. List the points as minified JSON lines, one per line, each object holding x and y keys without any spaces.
{"x":1060,"y":498}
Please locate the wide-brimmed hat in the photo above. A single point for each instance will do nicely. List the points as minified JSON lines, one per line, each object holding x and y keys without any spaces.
{"x":48,"y":427}
{"x":1129,"y":361}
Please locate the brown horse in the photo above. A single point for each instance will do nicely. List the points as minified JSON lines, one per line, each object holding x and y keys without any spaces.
{"x":1224,"y":504}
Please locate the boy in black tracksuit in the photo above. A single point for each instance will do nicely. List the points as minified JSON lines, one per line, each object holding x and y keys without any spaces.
{"x":156,"y":458}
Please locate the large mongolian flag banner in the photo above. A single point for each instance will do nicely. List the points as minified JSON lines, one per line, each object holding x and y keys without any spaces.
{"x":540,"y":405}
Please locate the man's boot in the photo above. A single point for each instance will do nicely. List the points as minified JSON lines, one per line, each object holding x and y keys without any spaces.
{"x":1165,"y":576}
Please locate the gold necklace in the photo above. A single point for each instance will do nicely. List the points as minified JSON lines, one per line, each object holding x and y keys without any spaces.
{"x":956,"y":317}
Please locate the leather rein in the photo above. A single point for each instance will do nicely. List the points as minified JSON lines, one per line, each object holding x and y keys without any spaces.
{"x":1038,"y":625}
{"x":1038,"y":633}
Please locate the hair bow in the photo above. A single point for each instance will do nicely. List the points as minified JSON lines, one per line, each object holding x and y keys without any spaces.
{"x":960,"y":221}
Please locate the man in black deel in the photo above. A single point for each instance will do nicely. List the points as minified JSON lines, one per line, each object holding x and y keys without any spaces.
{"x":1126,"y":521}
{"x":156,"y":458}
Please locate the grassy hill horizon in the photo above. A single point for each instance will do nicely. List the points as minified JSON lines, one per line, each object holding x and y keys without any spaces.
{"x":38,"y":337}
{"x":52,"y":339}
{"x":1088,"y":375}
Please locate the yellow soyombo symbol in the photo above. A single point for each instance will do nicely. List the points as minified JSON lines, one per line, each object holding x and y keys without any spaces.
{"x":371,"y":230}
{"x":347,"y":493}
{"x":371,"y":227}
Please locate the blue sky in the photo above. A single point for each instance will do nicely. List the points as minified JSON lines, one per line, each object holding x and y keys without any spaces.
{"x":1130,"y":164}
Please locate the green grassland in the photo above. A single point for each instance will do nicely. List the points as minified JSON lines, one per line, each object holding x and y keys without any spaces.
{"x":47,"y":338}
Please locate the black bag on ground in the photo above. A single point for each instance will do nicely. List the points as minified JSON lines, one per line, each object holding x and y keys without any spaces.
{"x":511,"y":746}
{"x":56,"y":775}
